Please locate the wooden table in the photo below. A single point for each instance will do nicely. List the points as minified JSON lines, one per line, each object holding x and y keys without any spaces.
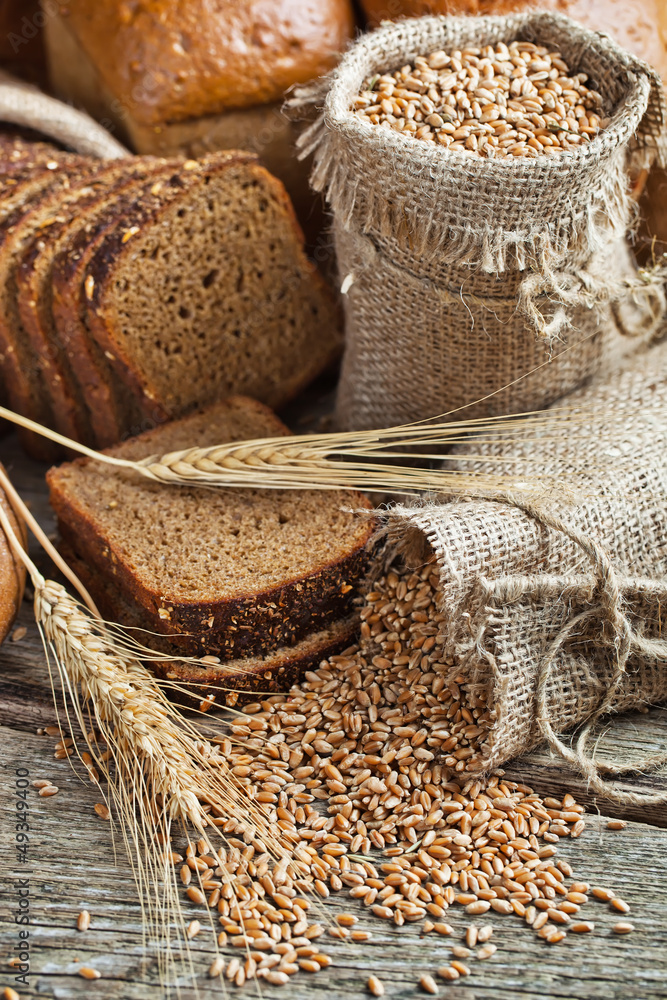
{"x":72,"y":865}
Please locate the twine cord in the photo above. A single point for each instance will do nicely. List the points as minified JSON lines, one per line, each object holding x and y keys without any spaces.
{"x":625,"y":641}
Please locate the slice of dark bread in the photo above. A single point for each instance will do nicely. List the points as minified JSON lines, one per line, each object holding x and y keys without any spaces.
{"x":21,"y":368}
{"x":71,"y":414}
{"x":213,"y":294}
{"x":114,"y":409}
{"x":260,"y":568}
{"x":231,"y":681}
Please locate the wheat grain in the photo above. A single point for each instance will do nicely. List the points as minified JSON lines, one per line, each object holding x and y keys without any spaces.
{"x":501,"y":101}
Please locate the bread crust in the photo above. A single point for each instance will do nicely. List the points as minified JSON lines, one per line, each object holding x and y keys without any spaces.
{"x":235,"y":681}
{"x":21,"y":368}
{"x":72,"y":413}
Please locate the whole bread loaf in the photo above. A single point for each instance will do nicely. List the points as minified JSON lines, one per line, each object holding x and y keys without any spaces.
{"x":243,"y":571}
{"x":12,"y":572}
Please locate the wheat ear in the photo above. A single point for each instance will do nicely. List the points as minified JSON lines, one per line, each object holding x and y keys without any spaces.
{"x":161,"y":774}
{"x":375,"y":461}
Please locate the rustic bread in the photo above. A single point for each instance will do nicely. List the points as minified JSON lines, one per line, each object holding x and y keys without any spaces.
{"x":196,"y":76}
{"x":12,"y":573}
{"x":204,"y":57}
{"x":260,"y":568}
{"x":230,"y":681}
{"x":72,"y":402}
{"x":212,"y":293}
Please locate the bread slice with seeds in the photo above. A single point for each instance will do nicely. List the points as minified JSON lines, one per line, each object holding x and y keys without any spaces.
{"x":247,"y":570}
{"x":212,"y":293}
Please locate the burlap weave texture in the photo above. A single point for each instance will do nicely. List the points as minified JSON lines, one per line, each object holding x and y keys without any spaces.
{"x":555,"y":606}
{"x":430,"y":242}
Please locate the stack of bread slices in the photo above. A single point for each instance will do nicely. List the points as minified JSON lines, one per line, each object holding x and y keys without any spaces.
{"x":258,"y":583}
{"x":133,"y":291}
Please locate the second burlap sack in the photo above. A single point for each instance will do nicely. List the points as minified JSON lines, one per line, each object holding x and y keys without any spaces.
{"x":554,"y":605}
{"x":462,"y":274}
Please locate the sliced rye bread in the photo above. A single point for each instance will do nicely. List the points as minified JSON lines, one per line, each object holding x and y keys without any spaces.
{"x":213,"y":294}
{"x":114,"y":410}
{"x":248,"y":570}
{"x":34,"y":283}
{"x":19,"y":366}
{"x":231,"y":681}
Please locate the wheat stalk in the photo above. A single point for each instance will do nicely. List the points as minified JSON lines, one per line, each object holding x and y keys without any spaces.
{"x":366,"y":460}
{"x":161,"y":773}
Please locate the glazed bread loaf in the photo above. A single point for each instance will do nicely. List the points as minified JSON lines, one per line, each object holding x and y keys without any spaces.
{"x":239,"y":571}
{"x":12,"y":573}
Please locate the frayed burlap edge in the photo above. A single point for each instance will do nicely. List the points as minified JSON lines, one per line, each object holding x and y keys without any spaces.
{"x":634,"y":138}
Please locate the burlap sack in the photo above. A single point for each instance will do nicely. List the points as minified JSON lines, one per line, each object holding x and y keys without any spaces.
{"x":462,"y":274}
{"x":555,"y":606}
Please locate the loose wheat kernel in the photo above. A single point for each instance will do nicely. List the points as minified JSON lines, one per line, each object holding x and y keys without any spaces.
{"x":102,"y":810}
{"x":444,"y":929}
{"x":196,"y":895}
{"x":448,"y":972}
{"x":616,"y":824}
{"x":47,"y":791}
{"x":487,"y":951}
{"x":41,"y":783}
{"x":606,"y":895}
{"x":461,"y":968}
{"x":428,"y":984}
{"x":83,"y":920}
{"x":623,"y":928}
{"x":216,"y":968}
{"x":376,"y":986}
{"x":620,"y":905}
{"x":89,"y":973}
{"x":582,"y":927}
{"x":193,"y":929}
{"x":9,"y":994}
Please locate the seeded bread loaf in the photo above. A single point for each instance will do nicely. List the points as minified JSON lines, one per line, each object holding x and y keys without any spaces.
{"x":12,"y":573}
{"x":248,"y":570}
{"x":212,"y":293}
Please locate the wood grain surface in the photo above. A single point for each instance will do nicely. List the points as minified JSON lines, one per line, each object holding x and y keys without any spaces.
{"x":74,"y":865}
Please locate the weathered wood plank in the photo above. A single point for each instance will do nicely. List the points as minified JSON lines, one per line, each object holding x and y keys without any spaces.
{"x":73,"y":867}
